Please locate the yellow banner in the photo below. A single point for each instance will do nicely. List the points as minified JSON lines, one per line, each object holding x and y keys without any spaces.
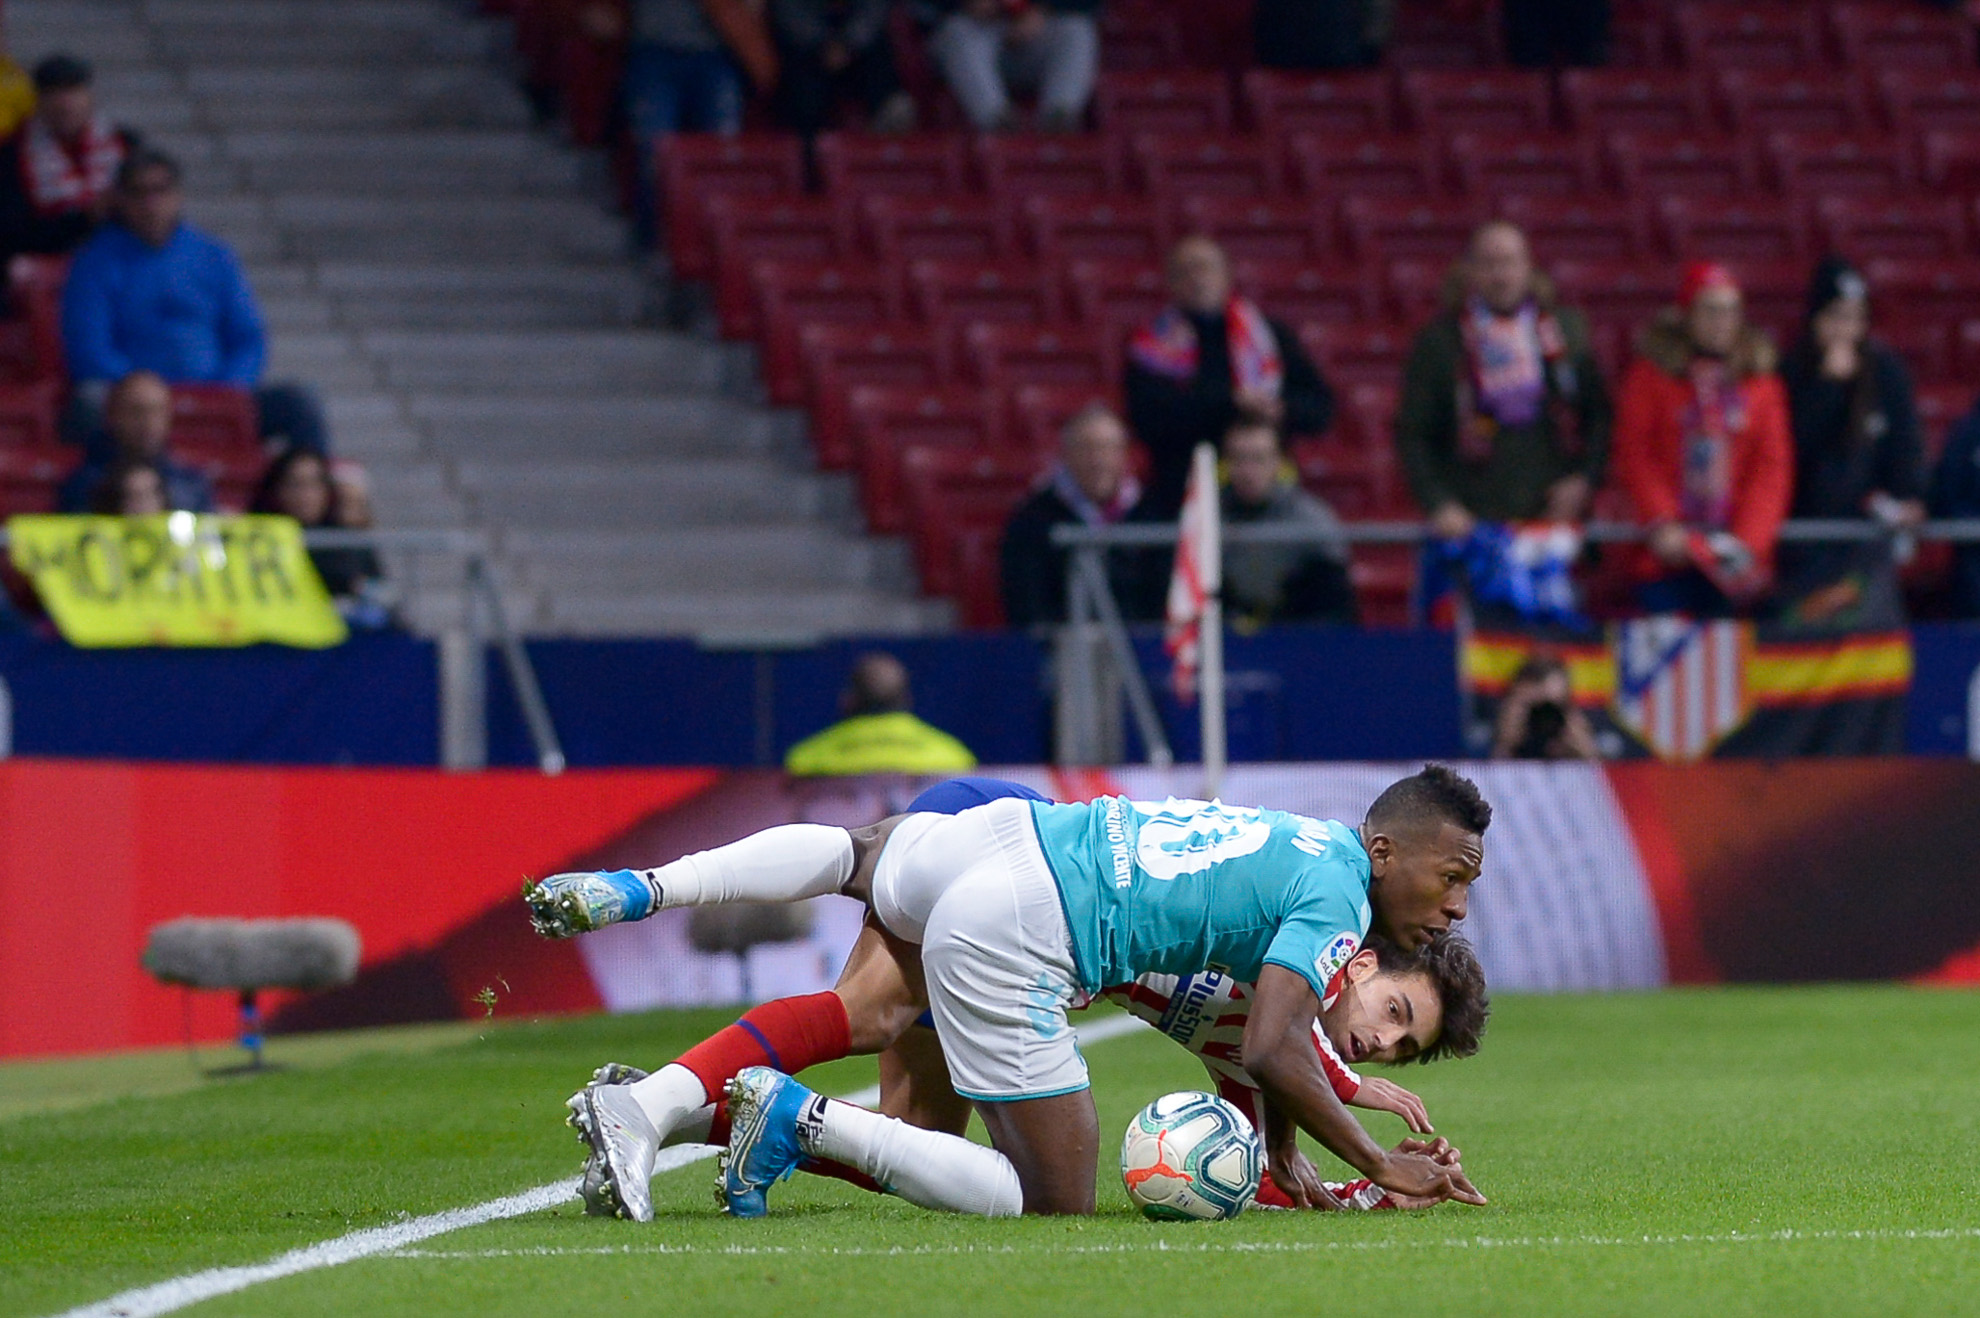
{"x":176,"y":579}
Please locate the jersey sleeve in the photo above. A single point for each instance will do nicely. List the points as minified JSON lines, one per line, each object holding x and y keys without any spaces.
{"x":1322,"y":927}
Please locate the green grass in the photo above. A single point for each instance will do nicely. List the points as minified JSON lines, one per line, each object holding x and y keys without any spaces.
{"x":1634,"y":1147}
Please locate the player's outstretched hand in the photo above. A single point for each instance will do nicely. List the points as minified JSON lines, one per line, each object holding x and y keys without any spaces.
{"x":1420,"y":1176}
{"x":1294,"y":1172}
{"x":1379,"y":1095}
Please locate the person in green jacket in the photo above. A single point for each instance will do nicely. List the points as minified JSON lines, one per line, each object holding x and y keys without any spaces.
{"x":879,"y":733}
{"x":1504,"y":416}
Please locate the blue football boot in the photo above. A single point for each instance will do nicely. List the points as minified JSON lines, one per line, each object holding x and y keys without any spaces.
{"x":565,"y":905}
{"x":764,"y":1108}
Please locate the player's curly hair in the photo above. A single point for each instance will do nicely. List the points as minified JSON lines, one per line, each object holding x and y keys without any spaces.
{"x":1438,"y":792}
{"x":1453,"y":967}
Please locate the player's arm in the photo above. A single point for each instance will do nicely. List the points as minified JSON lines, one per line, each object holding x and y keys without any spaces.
{"x":1279,"y":1054}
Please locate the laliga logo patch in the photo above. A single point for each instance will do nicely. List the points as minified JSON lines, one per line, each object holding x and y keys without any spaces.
{"x":1336,"y":955}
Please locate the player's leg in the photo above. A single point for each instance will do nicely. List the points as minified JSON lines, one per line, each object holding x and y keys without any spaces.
{"x":1054,"y":1149}
{"x":788,"y":863}
{"x":914,"y":1083}
{"x":878,"y":996}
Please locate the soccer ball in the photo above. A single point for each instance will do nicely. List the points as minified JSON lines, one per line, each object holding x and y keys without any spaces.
{"x":1190,"y":1157}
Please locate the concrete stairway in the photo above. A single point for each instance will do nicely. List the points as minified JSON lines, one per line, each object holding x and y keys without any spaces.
{"x":450,"y":279}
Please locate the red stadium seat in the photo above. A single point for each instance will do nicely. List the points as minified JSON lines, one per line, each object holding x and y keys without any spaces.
{"x":1638,"y":41}
{"x":1681,"y":164}
{"x":1749,"y":36}
{"x":1040,"y":411}
{"x":858,"y":164}
{"x":1173,"y":101}
{"x":1620,"y":293}
{"x":33,"y":462}
{"x":888,"y":420}
{"x":1925,"y":345}
{"x":1635,"y":101}
{"x":1824,"y":165}
{"x":1403,"y":227}
{"x":1367,"y":415}
{"x":1358,"y":482}
{"x":1709,"y":228}
{"x":1922,"y":100}
{"x":1813,"y":101}
{"x":1216,"y":164}
{"x":1337,"y":106}
{"x":1776,"y":294}
{"x":1495,"y":101}
{"x":747,"y":229}
{"x":902,"y":229}
{"x":1592,"y":229}
{"x":27,"y":418}
{"x":1013,"y":167}
{"x":1006,"y":356}
{"x":31,"y":346}
{"x":1253,"y":230}
{"x":1414,"y":287}
{"x":1105,"y":292}
{"x":1922,"y":228}
{"x":697,"y":166}
{"x":1065,"y":229}
{"x":1487,"y":164}
{"x":950,"y":292}
{"x":1299,"y":292}
{"x":1325,"y":167}
{"x":952,"y":497}
{"x":1901,"y":37}
{"x":1949,"y":159}
{"x":1442,"y":36}
{"x":215,"y":420}
{"x":1940,"y":406}
{"x":790,"y":296}
{"x":1359,"y":353}
{"x":839,"y":358}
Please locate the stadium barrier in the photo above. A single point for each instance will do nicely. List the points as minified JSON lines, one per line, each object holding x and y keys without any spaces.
{"x":1597,"y":877}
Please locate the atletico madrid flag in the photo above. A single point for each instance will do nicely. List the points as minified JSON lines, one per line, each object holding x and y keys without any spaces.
{"x":1198,"y":575}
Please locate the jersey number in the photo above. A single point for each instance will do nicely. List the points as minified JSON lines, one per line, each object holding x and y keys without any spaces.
{"x":1180,"y":838}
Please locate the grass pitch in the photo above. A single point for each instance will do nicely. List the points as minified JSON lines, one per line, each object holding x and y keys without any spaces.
{"x":1724,"y":1152}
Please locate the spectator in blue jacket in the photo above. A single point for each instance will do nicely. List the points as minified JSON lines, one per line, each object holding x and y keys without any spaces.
{"x":151,"y":293}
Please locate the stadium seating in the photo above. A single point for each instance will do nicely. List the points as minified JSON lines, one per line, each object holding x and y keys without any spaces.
{"x":938,"y":271}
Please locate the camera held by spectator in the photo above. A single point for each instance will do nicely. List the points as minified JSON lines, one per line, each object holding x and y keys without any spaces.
{"x":1538,"y":719}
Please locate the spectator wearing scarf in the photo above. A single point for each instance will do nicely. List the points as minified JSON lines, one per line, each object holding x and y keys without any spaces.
{"x":1503,"y":415}
{"x":57,"y":173}
{"x":1857,"y":454}
{"x":1702,"y":449}
{"x":1094,"y":485}
{"x":1207,"y":362}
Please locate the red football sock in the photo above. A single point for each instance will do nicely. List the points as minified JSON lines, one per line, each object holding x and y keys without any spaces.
{"x":1270,"y":1195}
{"x":839,"y":1171}
{"x":719,"y":1128}
{"x":789,"y":1034}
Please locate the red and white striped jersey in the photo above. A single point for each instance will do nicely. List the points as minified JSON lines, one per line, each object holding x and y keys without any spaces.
{"x":1205,"y":1013}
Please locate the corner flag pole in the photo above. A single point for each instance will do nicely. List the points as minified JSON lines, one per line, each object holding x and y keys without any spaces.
{"x":1210,"y":702}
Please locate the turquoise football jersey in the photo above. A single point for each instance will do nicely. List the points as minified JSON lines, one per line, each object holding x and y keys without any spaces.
{"x":1186,"y":886}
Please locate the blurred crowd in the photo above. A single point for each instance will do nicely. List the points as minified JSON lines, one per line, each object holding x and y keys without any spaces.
{"x":160,"y":336}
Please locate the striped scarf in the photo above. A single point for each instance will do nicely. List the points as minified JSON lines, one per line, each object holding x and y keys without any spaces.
{"x":1167,"y":346}
{"x":61,"y":178}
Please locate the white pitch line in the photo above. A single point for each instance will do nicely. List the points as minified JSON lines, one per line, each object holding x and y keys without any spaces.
{"x":168,"y":1296}
{"x":1164,"y":1246}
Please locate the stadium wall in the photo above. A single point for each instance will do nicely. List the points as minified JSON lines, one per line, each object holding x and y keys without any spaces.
{"x":1297,"y":694}
{"x":1598,"y":878}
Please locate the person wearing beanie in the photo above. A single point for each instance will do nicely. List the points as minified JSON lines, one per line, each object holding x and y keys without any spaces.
{"x":1857,"y":454}
{"x":58,"y":172}
{"x":1702,"y":450}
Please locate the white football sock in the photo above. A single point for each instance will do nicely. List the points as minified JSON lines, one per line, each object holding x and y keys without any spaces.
{"x":924,"y":1167}
{"x":693,"y":1128}
{"x":669,"y":1098}
{"x":784,"y":864}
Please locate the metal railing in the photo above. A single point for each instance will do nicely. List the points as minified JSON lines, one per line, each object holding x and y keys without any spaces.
{"x":463,"y":685}
{"x":1095,"y":665}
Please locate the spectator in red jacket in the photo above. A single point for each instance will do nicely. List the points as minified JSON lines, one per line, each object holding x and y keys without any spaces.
{"x":1702,"y":448}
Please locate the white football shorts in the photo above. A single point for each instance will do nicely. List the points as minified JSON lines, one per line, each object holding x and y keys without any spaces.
{"x":975,"y":891}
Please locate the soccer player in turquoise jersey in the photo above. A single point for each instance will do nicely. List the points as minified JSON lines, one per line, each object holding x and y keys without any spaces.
{"x":1021,"y":909}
